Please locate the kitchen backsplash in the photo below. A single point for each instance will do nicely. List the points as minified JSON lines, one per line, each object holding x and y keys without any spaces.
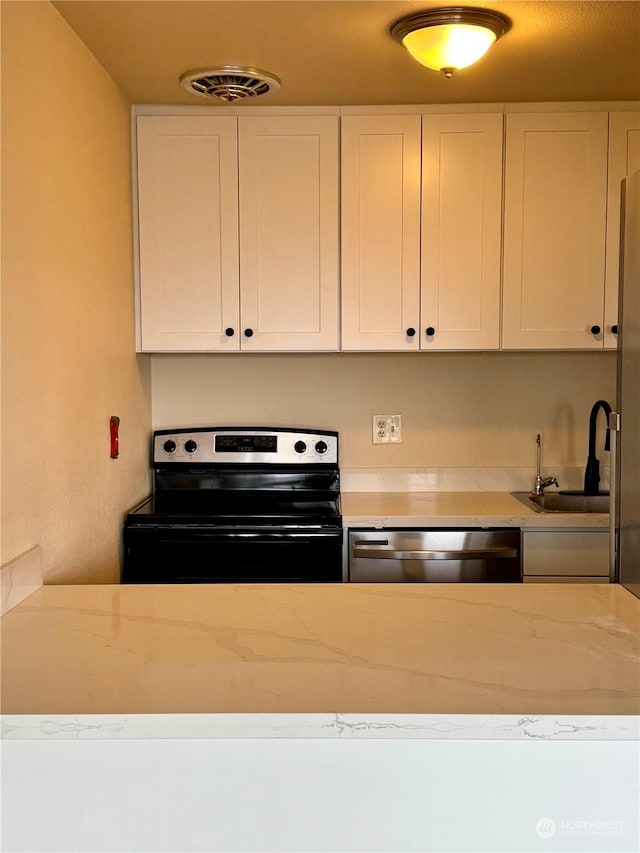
{"x":459,"y":479}
{"x":465,"y":416}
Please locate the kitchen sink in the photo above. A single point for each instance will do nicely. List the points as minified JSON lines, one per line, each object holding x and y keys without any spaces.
{"x":559,"y":502}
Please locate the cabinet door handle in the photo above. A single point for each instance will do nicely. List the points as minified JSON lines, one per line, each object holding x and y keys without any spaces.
{"x":229,"y":332}
{"x":430,"y":331}
{"x":614,"y":329}
{"x":595,"y":330}
{"x":248,"y":333}
{"x":410,"y":332}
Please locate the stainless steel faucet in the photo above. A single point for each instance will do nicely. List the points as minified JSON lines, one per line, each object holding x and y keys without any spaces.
{"x":541,"y":483}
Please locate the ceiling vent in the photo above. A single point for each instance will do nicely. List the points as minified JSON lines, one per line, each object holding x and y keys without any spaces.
{"x":230,"y":83}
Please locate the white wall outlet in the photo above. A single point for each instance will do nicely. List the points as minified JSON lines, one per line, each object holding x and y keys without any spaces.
{"x":387,"y":429}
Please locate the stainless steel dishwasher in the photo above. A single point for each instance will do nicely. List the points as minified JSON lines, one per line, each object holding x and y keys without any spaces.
{"x":435,"y":556}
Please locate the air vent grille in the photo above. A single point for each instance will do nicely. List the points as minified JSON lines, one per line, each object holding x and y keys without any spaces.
{"x":230,"y":83}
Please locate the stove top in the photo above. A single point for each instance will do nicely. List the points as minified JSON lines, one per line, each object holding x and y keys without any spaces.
{"x":217,"y":511}
{"x":239,"y":476}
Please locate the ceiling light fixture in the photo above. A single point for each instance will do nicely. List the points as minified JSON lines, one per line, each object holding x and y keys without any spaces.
{"x":450,"y":38}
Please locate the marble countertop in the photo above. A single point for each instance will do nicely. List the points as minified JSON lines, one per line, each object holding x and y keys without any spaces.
{"x":374,"y":649}
{"x":453,"y":509}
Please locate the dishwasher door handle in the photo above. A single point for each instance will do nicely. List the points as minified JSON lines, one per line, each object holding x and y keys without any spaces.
{"x":470,"y":554}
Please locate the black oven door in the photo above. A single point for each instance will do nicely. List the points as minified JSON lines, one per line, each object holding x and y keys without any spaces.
{"x":190,"y":554}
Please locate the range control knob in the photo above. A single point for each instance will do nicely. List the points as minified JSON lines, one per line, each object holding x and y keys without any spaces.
{"x":169,"y":446}
{"x":299,"y":447}
{"x":321,"y":447}
{"x":190,"y":446}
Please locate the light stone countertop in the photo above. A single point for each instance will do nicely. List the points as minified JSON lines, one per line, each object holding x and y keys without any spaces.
{"x":456,"y":509}
{"x":393,"y":651}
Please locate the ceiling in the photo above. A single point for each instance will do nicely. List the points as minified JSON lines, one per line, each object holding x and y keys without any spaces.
{"x":339,"y":52}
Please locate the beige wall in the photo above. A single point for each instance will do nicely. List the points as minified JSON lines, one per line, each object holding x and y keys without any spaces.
{"x":459,"y":409}
{"x":68,"y":359}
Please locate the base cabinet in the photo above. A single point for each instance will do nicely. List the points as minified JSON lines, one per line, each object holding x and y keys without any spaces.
{"x":569,"y":556}
{"x":564,"y":579}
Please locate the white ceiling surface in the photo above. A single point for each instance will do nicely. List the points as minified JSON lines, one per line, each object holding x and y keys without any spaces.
{"x":336,"y":52}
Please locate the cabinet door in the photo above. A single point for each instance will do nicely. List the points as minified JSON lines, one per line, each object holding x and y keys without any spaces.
{"x":624,"y":158}
{"x":554,"y":230}
{"x":461,"y":231}
{"x":380,"y":232}
{"x":289,"y":232}
{"x":565,"y":553}
{"x":565,"y":579}
{"x":188,"y":232}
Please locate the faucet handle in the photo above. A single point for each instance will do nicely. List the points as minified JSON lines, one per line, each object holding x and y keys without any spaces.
{"x":544,"y":483}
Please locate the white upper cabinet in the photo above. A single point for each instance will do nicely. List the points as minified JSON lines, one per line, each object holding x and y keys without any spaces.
{"x":435,"y":286}
{"x":187,"y":232}
{"x":461,"y":231}
{"x":554,"y":230}
{"x":401,"y":231}
{"x":624,"y":158}
{"x":238,"y":250}
{"x":381,"y":232}
{"x":289,"y":262}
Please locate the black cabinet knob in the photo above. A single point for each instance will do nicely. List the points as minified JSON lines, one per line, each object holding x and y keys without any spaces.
{"x":430,"y":331}
{"x":595,"y":330}
{"x":614,"y":329}
{"x":229,"y":332}
{"x":410,"y":332}
{"x":248,"y":333}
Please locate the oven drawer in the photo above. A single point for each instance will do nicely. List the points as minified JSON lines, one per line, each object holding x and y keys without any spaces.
{"x":435,"y":556}
{"x":155,"y":554}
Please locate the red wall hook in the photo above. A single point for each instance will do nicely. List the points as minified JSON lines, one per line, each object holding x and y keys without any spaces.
{"x":114,"y":426}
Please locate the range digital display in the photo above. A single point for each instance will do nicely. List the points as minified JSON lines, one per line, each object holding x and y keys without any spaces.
{"x":246,"y":444}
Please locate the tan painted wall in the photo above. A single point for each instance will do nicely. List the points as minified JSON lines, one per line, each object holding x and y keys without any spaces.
{"x":68,"y":359}
{"x":459,"y":409}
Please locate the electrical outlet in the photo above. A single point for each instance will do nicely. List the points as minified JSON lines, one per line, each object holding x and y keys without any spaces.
{"x":387,"y":429}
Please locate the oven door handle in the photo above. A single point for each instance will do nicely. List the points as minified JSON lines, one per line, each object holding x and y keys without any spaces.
{"x":276,"y":536}
{"x":381,"y":553}
{"x":180,"y":535}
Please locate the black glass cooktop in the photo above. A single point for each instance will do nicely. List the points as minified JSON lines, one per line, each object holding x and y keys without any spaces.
{"x":214,"y":510}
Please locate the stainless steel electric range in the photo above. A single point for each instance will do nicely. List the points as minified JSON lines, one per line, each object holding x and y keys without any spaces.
{"x":238,"y":505}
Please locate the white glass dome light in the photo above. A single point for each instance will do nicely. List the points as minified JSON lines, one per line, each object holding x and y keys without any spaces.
{"x":450,"y":38}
